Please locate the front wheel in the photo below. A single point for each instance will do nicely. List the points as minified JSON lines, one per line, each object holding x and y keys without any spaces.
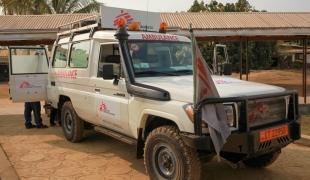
{"x":72,"y":124}
{"x":167,"y":157}
{"x":263,"y":160}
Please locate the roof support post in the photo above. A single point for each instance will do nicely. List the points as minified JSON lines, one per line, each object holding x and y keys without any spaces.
{"x":247,"y":60}
{"x":240,"y":56}
{"x":304,"y":81}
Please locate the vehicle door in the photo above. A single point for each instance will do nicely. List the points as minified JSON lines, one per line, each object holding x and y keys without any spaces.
{"x":110,"y":102}
{"x":69,"y":74}
{"x":28,"y":73}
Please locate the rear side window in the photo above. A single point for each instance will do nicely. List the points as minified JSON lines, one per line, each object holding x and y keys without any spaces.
{"x":80,"y":54}
{"x":28,"y":60}
{"x":60,"y":56}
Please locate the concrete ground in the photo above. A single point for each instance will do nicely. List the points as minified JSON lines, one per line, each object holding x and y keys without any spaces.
{"x":44,"y":154}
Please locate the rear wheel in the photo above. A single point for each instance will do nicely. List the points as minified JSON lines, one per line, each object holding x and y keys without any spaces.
{"x":167,"y":157}
{"x":72,"y":124}
{"x":263,"y":160}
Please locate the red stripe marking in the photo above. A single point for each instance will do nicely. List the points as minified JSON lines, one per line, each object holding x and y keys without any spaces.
{"x":123,"y":14}
{"x":201,"y":67}
{"x":205,"y":82}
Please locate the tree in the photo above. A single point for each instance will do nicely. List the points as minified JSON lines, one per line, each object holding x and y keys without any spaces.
{"x":260,"y":53}
{"x":19,"y":7}
{"x":282,"y":51}
{"x":243,"y":6}
{"x":195,"y":7}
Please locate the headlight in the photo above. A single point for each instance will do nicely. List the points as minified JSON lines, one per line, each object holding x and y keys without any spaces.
{"x":230,"y":111}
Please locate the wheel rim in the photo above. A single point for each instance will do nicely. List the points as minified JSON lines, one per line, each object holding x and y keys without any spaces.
{"x":165,"y":161}
{"x":68,"y":122}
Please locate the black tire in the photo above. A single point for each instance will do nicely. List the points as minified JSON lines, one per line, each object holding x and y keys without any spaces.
{"x":263,"y":160}
{"x":167,"y":157}
{"x":72,"y":124}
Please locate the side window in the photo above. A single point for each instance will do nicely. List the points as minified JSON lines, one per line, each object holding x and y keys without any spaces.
{"x":79,"y":54}
{"x":60,"y":56}
{"x":28,"y":61}
{"x":109,"y":54}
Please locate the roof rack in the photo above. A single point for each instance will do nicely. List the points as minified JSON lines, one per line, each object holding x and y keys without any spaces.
{"x":85,"y":24}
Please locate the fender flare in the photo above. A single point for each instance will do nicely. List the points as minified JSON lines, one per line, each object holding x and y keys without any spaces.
{"x":146,"y":112}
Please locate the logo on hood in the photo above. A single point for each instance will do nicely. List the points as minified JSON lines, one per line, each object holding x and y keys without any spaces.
{"x":125,"y":15}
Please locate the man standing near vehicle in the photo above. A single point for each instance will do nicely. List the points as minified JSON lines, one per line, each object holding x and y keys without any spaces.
{"x":36,"y":108}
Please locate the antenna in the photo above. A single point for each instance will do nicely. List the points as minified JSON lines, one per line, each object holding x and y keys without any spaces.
{"x":147,"y":13}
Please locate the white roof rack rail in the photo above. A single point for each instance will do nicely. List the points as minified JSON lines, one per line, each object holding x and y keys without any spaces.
{"x":79,"y":25}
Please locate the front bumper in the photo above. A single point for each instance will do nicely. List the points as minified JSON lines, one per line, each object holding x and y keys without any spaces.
{"x":241,"y":146}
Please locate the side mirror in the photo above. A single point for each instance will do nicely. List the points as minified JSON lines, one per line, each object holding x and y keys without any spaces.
{"x":107,"y":71}
{"x":227,"y":69}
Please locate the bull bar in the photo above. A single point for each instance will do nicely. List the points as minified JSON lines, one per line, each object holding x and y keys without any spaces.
{"x":244,"y":142}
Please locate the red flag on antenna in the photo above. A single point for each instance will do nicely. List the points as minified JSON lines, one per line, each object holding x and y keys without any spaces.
{"x":213,"y":114}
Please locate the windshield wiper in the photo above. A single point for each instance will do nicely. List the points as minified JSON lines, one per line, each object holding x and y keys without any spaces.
{"x":187,"y":71}
{"x":156,"y":72}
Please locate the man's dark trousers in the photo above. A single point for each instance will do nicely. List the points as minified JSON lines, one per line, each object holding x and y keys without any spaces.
{"x":36,"y":108}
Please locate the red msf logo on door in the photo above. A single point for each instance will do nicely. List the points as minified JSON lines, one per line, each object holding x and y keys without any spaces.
{"x":125,"y":15}
{"x":24,"y":85}
{"x":103,"y":107}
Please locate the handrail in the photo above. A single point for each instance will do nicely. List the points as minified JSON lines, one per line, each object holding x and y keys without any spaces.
{"x":93,"y":17}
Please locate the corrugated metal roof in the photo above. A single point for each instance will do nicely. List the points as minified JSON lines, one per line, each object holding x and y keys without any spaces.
{"x":205,"y":20}
{"x":51,"y":21}
{"x":237,"y":20}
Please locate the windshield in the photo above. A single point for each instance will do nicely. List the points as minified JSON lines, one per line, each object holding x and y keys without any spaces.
{"x":160,"y":58}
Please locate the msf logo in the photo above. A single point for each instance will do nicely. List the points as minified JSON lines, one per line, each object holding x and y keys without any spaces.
{"x":103,"y":107}
{"x":125,"y":15}
{"x":24,"y":85}
{"x":259,"y":110}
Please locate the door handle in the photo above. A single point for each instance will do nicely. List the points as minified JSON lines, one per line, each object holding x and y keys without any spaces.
{"x":97,"y":89}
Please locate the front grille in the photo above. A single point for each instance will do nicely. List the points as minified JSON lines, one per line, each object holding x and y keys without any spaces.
{"x":266,"y":111}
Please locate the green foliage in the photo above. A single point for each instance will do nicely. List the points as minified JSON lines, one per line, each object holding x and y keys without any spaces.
{"x":297,"y":64}
{"x":259,"y":53}
{"x":182,"y":55}
{"x":25,"y":7}
{"x":282,"y":52}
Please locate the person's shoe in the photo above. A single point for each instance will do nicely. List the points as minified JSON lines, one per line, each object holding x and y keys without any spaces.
{"x":42,"y":126}
{"x":53,"y":124}
{"x":30,"y":126}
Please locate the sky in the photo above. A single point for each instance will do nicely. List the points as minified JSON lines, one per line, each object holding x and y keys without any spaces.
{"x":184,"y":5}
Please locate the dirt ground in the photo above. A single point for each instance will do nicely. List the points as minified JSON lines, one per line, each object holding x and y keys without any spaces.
{"x":288,"y":79}
{"x":5,"y":101}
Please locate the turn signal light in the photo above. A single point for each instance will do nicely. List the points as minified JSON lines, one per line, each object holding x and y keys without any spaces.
{"x":190,"y":113}
{"x":162,"y":27}
{"x":134,"y":26}
{"x":121,"y":23}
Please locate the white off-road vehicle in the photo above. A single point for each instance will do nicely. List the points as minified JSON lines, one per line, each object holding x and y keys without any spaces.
{"x":137,"y":86}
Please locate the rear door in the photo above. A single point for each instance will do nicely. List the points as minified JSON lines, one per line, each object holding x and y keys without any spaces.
{"x":28,"y":73}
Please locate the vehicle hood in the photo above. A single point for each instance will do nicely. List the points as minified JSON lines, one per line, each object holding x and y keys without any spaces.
{"x":181,"y":88}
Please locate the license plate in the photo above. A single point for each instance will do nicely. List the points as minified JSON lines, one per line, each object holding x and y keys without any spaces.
{"x":269,"y":134}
